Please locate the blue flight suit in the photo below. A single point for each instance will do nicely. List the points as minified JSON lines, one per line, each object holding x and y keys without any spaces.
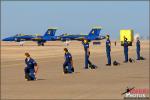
{"x":29,"y":69}
{"x":138,"y":49}
{"x":67,"y":66}
{"x":86,"y":47}
{"x":108,"y":50}
{"x":126,"y":50}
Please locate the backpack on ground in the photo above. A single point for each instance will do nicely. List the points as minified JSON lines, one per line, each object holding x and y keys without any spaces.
{"x":131,"y":60}
{"x":115,"y":63}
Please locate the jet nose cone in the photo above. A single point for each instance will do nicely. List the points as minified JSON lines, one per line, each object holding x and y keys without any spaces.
{"x":8,"y":39}
{"x":5,"y":39}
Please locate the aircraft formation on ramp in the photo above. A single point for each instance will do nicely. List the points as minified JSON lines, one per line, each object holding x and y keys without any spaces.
{"x":50,"y":35}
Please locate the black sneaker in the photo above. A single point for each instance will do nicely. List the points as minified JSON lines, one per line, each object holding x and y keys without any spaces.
{"x":65,"y":71}
{"x":93,"y":66}
{"x":108,"y":64}
{"x":72,"y":69}
{"x":27,"y":77}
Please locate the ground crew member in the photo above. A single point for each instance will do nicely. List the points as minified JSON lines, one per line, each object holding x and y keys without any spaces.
{"x":87,"y":54}
{"x":126,"y":50}
{"x":138,"y":48}
{"x":108,"y":50}
{"x":68,"y":64}
{"x":31,"y":68}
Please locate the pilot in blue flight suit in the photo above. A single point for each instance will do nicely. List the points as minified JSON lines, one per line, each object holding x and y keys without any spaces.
{"x":87,"y":54}
{"x":68,"y":64}
{"x":126,"y":50}
{"x":31,"y":68}
{"x":138,"y":48}
{"x":108,"y":50}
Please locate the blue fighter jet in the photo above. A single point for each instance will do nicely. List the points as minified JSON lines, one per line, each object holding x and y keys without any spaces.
{"x":48,"y":36}
{"x":93,"y":35}
{"x":19,"y":37}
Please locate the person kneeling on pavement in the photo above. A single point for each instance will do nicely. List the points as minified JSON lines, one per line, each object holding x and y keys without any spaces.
{"x":31,"y":69}
{"x":68,"y":64}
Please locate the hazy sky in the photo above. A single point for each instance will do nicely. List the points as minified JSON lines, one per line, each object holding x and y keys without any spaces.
{"x":74,"y":17}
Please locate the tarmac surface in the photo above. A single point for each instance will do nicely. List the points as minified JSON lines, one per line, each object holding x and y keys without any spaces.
{"x":105,"y":82}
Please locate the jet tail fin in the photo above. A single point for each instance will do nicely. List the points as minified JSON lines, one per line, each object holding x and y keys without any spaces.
{"x":50,"y":32}
{"x":94,"y":32}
